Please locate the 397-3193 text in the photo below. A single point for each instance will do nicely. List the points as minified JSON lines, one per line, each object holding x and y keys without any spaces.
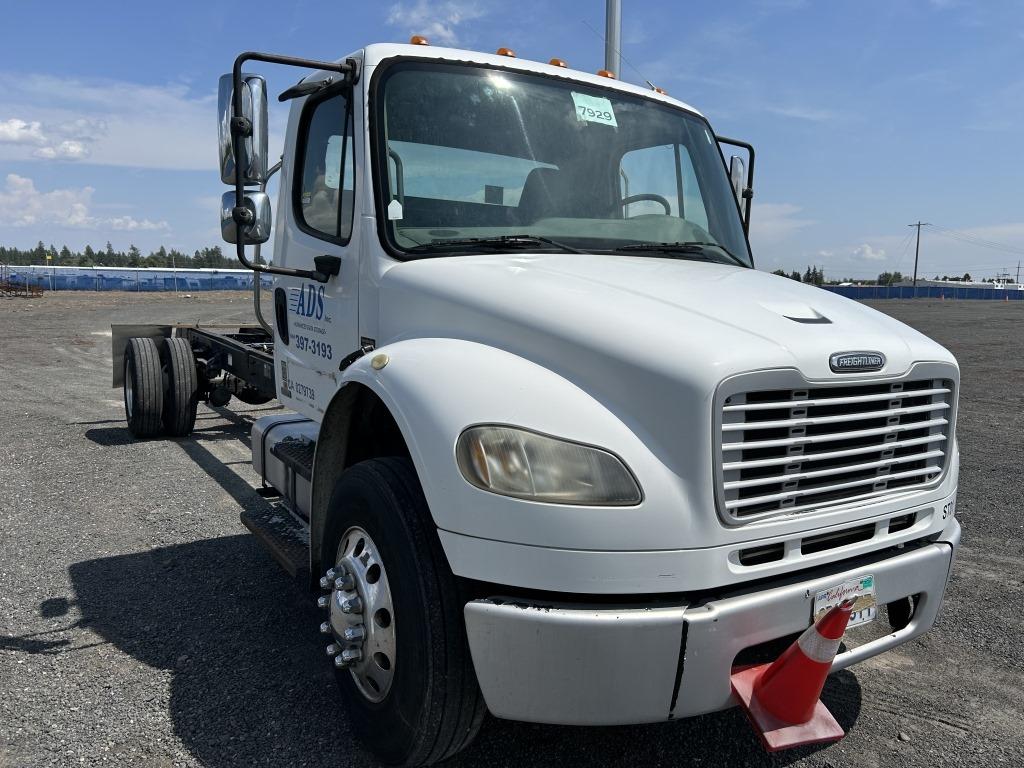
{"x":314,"y":347}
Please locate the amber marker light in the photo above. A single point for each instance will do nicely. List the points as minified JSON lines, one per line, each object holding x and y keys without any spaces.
{"x":558,"y":63}
{"x":418,"y":40}
{"x":506,"y":52}
{"x":606,"y":73}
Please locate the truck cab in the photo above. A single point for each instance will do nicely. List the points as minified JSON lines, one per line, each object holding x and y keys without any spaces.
{"x":554,"y":448}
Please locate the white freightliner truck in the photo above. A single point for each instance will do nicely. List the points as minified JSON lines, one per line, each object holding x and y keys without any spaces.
{"x":554,"y":448}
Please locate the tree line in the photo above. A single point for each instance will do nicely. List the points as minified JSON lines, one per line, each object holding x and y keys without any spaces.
{"x":816,"y":276}
{"x":812,"y":276}
{"x":211,"y":257}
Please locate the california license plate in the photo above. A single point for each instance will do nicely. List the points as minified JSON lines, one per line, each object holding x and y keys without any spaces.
{"x":862,"y":589}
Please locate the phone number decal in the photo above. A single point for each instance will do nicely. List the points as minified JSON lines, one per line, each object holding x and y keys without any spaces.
{"x":314,"y":347}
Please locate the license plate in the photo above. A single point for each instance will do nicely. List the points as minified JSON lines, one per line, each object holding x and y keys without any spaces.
{"x":862,"y":588}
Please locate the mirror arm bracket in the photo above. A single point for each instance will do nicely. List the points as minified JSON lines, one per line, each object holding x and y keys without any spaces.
{"x":240,"y":124}
{"x":241,"y":127}
{"x":748,"y":193}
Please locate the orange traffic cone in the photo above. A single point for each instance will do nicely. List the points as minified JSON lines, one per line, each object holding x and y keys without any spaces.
{"x":781,"y":698}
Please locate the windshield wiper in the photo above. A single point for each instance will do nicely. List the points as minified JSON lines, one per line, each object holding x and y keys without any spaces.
{"x":498,"y":241}
{"x":687,"y":248}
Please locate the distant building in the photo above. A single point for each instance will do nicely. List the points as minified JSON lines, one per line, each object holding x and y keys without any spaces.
{"x":1000,"y":284}
{"x":132,"y":279}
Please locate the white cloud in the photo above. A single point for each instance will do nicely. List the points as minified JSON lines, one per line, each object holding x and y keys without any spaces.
{"x":438,"y":22}
{"x":66,"y":141}
{"x":66,"y":150}
{"x":865,"y":252}
{"x":107,"y":122}
{"x":22,"y":205}
{"x":15,"y":131}
{"x":797,"y":112}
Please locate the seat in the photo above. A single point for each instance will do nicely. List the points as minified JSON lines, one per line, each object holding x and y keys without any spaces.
{"x":544,"y":196}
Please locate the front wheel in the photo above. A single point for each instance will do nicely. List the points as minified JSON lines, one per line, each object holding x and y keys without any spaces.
{"x":395,"y":623}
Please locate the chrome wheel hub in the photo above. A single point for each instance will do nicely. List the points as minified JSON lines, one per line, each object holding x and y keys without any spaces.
{"x":361,"y":619}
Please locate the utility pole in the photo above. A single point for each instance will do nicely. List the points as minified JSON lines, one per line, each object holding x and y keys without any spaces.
{"x":917,"y":248}
{"x":613,"y":37}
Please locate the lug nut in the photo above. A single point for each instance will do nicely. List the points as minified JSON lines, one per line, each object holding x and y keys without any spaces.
{"x":351,"y":655}
{"x":323,"y":601}
{"x":354,"y":634}
{"x":325,"y":628}
{"x":325,"y":582}
{"x":351,"y":605}
{"x":340,"y":662}
{"x":344,"y":581}
{"x":333,"y":650}
{"x":332,"y":573}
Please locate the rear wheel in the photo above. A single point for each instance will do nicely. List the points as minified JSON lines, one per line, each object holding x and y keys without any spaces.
{"x":143,"y":388}
{"x":395,"y":619}
{"x":181,"y":390}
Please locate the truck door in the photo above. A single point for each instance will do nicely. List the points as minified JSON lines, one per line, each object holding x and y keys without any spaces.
{"x":317,"y":323}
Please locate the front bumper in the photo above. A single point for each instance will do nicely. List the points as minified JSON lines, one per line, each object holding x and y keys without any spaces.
{"x":613,"y":665}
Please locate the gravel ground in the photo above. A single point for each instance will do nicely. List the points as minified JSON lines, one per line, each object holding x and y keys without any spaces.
{"x":141,"y":625}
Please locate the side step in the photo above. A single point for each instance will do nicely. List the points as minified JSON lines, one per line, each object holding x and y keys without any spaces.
{"x":284,"y":536}
{"x":283,"y":447}
{"x":297,"y":454}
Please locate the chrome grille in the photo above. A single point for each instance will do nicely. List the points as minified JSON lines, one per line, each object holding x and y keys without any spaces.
{"x":802,"y":449}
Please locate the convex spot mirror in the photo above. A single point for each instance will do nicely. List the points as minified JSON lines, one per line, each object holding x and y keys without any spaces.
{"x":254,"y":147}
{"x":258,"y":231}
{"x":737,"y":177}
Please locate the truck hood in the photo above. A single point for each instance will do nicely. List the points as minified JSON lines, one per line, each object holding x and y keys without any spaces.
{"x":649,"y":340}
{"x":691,"y":322}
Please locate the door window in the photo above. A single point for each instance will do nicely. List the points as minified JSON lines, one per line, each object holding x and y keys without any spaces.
{"x":325,"y":181}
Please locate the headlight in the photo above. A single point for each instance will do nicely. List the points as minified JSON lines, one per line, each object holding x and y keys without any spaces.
{"x":526,"y":465}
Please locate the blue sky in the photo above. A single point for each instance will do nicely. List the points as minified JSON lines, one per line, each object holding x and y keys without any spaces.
{"x":866,"y":115}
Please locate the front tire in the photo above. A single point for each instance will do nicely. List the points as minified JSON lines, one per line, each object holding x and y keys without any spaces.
{"x":143,"y":388}
{"x":432,"y":706}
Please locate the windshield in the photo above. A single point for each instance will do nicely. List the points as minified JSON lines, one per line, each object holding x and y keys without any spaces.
{"x":527,"y":162}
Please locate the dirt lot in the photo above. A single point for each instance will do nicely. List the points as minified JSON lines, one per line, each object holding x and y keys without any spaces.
{"x":141,"y":625}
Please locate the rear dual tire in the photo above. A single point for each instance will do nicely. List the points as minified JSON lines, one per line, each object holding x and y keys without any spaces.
{"x":143,"y":388}
{"x":161,"y":387}
{"x":181,"y":388}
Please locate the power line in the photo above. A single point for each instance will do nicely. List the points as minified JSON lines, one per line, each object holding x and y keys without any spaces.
{"x":977,"y":241}
{"x":902,"y":248}
{"x":620,"y":54}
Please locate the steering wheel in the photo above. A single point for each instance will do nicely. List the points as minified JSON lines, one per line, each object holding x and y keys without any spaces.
{"x":648,"y":196}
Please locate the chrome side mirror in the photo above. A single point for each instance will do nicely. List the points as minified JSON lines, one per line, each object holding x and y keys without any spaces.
{"x":257,"y":230}
{"x":254,"y":147}
{"x":738,"y":178}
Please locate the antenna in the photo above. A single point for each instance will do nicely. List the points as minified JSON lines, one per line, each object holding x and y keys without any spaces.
{"x":613,"y":37}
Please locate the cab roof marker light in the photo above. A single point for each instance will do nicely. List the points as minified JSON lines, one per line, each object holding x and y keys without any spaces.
{"x":506,"y":52}
{"x":418,"y":40}
{"x":558,"y":63}
{"x":606,"y":73}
